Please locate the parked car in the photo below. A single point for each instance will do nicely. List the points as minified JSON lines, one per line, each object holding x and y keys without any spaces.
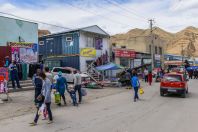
{"x":68,"y":72}
{"x":174,"y":83}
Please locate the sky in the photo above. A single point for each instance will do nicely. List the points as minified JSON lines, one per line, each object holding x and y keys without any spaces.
{"x":114,"y":16}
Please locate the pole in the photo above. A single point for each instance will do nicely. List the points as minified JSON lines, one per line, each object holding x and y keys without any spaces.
{"x":152,"y":43}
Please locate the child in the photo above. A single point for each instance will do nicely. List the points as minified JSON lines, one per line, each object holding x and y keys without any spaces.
{"x":150,"y":78}
{"x":72,"y":93}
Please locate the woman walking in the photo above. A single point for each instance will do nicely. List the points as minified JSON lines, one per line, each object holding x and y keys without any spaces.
{"x":150,"y":78}
{"x":61,"y":86}
{"x":43,"y":95}
{"x":135,"y":84}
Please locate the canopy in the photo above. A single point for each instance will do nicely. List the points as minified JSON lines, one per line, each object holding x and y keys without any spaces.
{"x":192,"y":68}
{"x":109,"y":66}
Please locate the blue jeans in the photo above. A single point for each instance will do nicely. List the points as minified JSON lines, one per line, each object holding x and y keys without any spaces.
{"x":136,"y":92}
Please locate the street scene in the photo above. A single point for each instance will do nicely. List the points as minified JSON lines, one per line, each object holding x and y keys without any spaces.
{"x":98,"y":65}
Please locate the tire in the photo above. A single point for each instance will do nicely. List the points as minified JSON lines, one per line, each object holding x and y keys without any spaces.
{"x":183,"y":95}
{"x":162,"y":94}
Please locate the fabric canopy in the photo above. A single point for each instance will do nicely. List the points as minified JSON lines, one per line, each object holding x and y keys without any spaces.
{"x":109,"y":66}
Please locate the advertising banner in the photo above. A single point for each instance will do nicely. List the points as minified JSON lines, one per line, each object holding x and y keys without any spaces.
{"x":124,"y":53}
{"x":88,"y":52}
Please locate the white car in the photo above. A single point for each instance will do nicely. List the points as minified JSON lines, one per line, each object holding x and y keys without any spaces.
{"x":67,"y":72}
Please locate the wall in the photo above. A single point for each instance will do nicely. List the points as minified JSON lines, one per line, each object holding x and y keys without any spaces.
{"x":11,"y":29}
{"x":83,"y":44}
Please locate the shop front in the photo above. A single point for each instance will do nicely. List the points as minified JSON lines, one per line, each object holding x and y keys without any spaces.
{"x":124,"y":57}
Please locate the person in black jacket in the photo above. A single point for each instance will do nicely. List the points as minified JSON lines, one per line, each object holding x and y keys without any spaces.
{"x":38,"y":83}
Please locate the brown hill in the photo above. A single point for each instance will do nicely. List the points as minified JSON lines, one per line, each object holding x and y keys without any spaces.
{"x":187,"y":38}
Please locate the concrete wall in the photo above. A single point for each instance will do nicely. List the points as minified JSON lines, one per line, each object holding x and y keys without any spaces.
{"x":83,"y":44}
{"x":12,"y":29}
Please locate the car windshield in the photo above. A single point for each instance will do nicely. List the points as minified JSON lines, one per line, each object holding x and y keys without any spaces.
{"x":173,"y":78}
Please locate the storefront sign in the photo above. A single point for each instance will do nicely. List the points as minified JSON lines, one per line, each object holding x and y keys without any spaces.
{"x":24,"y":52}
{"x":124,"y":53}
{"x":88,"y":52}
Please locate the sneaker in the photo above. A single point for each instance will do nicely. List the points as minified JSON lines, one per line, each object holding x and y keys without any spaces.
{"x":49,"y":122}
{"x":33,"y":124}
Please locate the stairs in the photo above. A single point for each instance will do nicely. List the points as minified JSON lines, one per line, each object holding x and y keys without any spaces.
{"x":25,"y":84}
{"x":93,"y":73}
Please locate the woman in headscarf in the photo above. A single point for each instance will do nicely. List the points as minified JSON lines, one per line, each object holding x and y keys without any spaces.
{"x":61,"y":86}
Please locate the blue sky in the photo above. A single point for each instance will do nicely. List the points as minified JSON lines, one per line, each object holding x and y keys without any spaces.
{"x":172,"y":15}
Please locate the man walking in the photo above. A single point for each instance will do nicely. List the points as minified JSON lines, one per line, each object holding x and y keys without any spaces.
{"x":77,"y":85}
{"x":135,"y":84}
{"x":146,"y":72}
{"x":14,"y":75}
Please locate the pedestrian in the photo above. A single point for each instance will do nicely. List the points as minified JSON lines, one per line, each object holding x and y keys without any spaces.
{"x":14,"y":75}
{"x":46,"y":93}
{"x":136,"y":85}
{"x":61,"y":86}
{"x":77,"y":85}
{"x":150,"y":78}
{"x":48,"y":74}
{"x":146,"y":74}
{"x":38,"y":83}
{"x":190,"y":73}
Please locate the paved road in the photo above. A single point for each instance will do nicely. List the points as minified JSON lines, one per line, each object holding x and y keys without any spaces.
{"x":118,"y":113}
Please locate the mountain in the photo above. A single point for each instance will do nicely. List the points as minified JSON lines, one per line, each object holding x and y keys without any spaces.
{"x":186,"y":38}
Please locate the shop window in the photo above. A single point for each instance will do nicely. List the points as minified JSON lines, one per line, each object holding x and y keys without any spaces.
{"x":41,"y":42}
{"x":124,"y":62}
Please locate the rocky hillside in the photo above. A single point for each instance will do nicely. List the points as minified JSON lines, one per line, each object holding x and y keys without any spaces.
{"x":187,"y":38}
{"x":43,"y":32}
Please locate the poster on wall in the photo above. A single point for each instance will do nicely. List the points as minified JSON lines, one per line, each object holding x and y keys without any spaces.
{"x":24,"y":52}
{"x":98,"y":43}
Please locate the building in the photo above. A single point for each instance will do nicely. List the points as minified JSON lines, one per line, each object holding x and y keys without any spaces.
{"x":74,"y":48}
{"x":141,"y":45}
{"x":18,"y":40}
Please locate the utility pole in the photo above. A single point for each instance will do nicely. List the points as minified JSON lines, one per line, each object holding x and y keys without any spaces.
{"x":152,"y":43}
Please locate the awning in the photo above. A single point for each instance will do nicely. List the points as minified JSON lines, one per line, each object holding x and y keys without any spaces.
{"x":109,"y":66}
{"x":192,"y":68}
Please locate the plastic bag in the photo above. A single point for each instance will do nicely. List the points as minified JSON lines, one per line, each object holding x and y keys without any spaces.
{"x":83,"y":92}
{"x":41,"y":109}
{"x":141,"y":91}
{"x":57,"y":98}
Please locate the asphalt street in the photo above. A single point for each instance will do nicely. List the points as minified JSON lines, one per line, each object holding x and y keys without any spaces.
{"x":118,"y":113}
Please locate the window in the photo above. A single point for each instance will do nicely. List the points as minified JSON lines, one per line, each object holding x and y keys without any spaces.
{"x":114,"y":44}
{"x":62,"y":70}
{"x":173,"y":78}
{"x":150,"y":49}
{"x":90,"y":42}
{"x":160,"y":50}
{"x":124,"y":62}
{"x":41,"y":42}
{"x":155,"y":49}
{"x":69,"y":39}
{"x":124,"y":47}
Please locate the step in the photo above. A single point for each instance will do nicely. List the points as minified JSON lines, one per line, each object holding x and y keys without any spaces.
{"x":23,"y":89}
{"x":22,"y":84}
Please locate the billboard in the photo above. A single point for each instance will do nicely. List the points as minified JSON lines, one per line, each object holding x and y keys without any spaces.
{"x":125,"y":53}
{"x":88,"y":52}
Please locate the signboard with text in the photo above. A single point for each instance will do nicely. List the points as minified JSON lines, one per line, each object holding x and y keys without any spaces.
{"x":88,"y":52}
{"x":124,"y":53}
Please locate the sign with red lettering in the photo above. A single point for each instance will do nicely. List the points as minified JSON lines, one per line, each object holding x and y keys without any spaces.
{"x":124,"y":53}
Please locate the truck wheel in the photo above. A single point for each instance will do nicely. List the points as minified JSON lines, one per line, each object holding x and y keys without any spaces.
{"x":162,"y":94}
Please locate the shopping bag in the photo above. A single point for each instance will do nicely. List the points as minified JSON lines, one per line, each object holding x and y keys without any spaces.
{"x":83,"y":92}
{"x":57,"y":98}
{"x":41,"y":109}
{"x":141,"y":91}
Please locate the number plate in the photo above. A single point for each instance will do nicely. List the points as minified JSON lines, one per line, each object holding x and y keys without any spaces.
{"x":172,"y":90}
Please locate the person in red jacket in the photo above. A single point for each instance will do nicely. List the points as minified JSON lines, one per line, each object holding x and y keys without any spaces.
{"x":150,"y":78}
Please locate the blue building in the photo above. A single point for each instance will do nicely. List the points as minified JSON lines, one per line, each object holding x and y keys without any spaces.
{"x":74,"y":48}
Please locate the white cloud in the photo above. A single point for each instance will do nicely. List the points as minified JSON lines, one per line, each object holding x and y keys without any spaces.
{"x":114,"y":20}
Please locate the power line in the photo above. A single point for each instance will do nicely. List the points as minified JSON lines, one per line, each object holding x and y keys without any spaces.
{"x":9,"y":14}
{"x":127,"y":10}
{"x":107,"y":18}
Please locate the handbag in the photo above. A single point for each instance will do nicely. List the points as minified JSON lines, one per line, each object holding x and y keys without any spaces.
{"x":83,"y":92}
{"x":40,"y":97}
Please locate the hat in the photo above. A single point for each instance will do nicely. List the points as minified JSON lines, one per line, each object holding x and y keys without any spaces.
{"x":60,"y":73}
